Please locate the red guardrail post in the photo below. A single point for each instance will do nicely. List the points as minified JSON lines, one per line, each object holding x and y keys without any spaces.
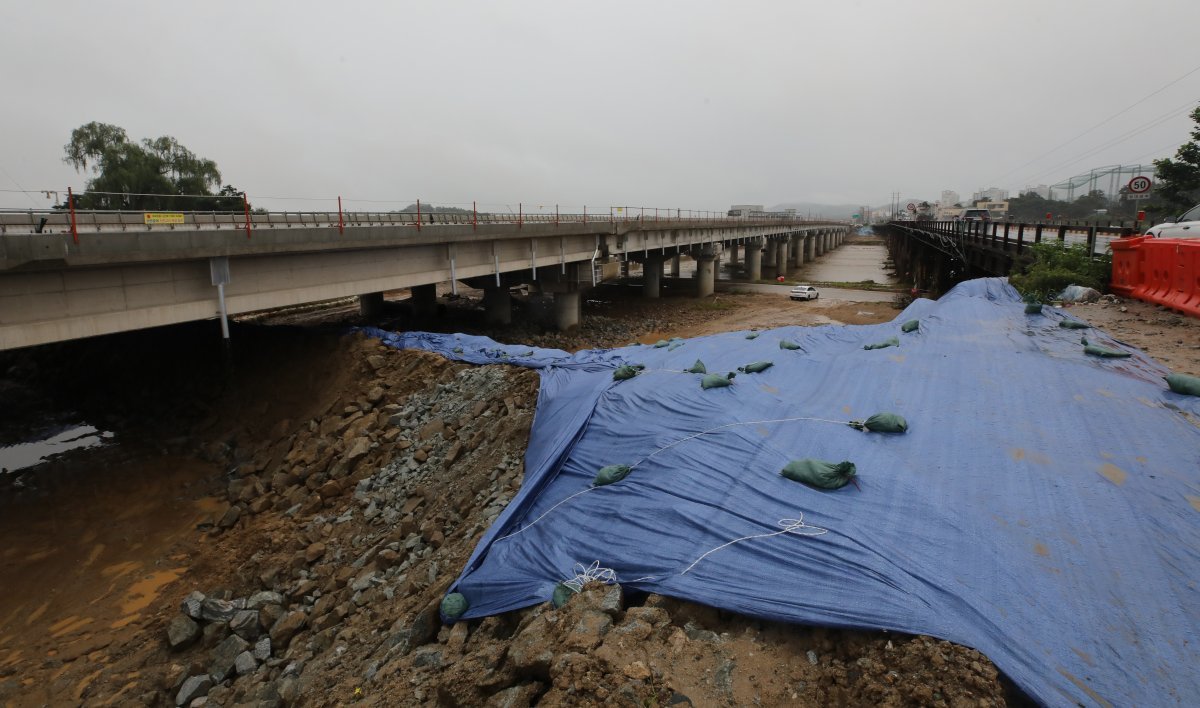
{"x":474,"y":216}
{"x":418,"y":215}
{"x":71,"y":208}
{"x":341,"y":221}
{"x":556,"y":215}
{"x":246,"y":205}
{"x":520,"y":214}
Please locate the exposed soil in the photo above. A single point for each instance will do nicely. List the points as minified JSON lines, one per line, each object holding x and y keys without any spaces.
{"x":332,"y":489}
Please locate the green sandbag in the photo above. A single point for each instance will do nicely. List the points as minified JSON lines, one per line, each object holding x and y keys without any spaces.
{"x":820,"y":474}
{"x":1073,"y":324}
{"x":697,"y":368}
{"x":674,"y":346}
{"x":717,"y":380}
{"x":458,"y":350}
{"x":910,"y":326}
{"x":1033,"y":308}
{"x":454,"y":605}
{"x":610,"y":474}
{"x":661,"y":343}
{"x":1105,"y":352}
{"x":886,"y":423}
{"x":889,"y":342}
{"x":756,"y":367}
{"x":562,"y":593}
{"x":785,"y":344}
{"x":752,"y":335}
{"x":625,"y":371}
{"x":1182,"y":383}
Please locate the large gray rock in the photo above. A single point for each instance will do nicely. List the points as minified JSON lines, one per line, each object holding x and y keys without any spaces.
{"x":262,"y":649}
{"x":191,"y":604}
{"x":521,"y":696}
{"x":587,"y":631}
{"x":602,"y":598}
{"x":245,"y":624}
{"x":214,"y":610}
{"x":194,"y":687}
{"x":261,"y":599}
{"x":245,"y":664}
{"x":182,"y":631}
{"x":225,"y":655}
{"x":534,"y":647}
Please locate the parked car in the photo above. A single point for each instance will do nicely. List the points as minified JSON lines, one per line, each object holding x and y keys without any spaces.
{"x":804,"y":292}
{"x":1186,"y":226}
{"x":976,"y":215}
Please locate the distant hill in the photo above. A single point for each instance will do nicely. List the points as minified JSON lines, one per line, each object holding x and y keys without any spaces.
{"x":832,"y":211}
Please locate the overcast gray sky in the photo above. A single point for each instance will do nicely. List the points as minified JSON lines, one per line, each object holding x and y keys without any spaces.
{"x":673,"y":104}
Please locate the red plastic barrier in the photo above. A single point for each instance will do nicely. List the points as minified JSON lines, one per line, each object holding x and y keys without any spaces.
{"x":1162,"y":271}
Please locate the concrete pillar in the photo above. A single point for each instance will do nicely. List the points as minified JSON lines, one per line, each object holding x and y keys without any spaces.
{"x":497,"y":305}
{"x":797,"y":251}
{"x":754,"y":259}
{"x":733,"y":253}
{"x":370,"y":306}
{"x":625,"y":268}
{"x":769,"y":254}
{"x":781,"y":258}
{"x":424,"y":301}
{"x":821,"y":244}
{"x":675,"y":266}
{"x":652,"y":269}
{"x":706,"y":274}
{"x":810,"y":247}
{"x":567,"y":308}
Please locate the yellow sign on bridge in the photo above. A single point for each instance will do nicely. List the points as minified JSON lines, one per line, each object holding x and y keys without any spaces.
{"x":163,"y":217}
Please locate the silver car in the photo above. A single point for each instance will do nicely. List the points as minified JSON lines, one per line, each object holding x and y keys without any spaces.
{"x":1186,"y":226}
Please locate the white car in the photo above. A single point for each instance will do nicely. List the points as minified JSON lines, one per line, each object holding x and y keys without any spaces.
{"x":1186,"y":226}
{"x":804,"y":292}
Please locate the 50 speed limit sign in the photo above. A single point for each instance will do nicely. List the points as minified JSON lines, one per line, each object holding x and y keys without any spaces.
{"x":1140,"y":185}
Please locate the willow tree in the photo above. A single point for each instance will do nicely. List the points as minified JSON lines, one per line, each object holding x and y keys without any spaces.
{"x":1179,"y":179}
{"x":144,"y":175}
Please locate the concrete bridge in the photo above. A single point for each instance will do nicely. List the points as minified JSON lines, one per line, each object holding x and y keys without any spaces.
{"x":66,"y":276}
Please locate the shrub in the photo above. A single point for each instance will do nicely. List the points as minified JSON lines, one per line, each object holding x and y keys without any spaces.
{"x":1055,"y":266}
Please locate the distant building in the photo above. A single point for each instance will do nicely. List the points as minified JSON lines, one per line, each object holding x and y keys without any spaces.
{"x":996,"y":209}
{"x":949,"y":198}
{"x":747,"y":210}
{"x":1042,"y":190}
{"x":947,"y":212}
{"x":991,"y":194}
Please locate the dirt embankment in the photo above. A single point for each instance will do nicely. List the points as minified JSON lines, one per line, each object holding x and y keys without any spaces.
{"x":282,"y":535}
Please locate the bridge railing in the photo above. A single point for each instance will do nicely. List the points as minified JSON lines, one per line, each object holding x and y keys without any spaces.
{"x":79,"y":221}
{"x":1016,"y":237}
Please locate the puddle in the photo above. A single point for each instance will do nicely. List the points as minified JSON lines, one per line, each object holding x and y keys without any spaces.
{"x":28,"y":454}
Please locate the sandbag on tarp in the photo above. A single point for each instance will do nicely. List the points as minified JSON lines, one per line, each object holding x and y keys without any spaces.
{"x":1063,"y":551}
{"x":697,"y":368}
{"x":454,"y":605}
{"x":1182,"y":383}
{"x":752,"y":335}
{"x":910,"y":326}
{"x":889,"y":342}
{"x":717,"y":380}
{"x":756,"y":368}
{"x":1104,"y":352}
{"x":820,"y":474}
{"x":625,"y":371}
{"x":785,"y":344}
{"x":882,"y":423}
{"x":610,"y":474}
{"x":1073,"y":324}
{"x":1033,"y":308}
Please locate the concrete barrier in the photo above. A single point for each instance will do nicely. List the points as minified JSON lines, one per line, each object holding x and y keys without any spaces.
{"x":1163,"y":271}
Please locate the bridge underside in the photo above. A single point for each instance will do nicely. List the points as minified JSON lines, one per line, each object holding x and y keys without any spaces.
{"x":55,"y":290}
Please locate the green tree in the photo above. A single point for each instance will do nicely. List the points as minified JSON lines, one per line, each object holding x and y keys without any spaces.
{"x":1179,"y":179}
{"x":1056,"y":265}
{"x":139,"y":176}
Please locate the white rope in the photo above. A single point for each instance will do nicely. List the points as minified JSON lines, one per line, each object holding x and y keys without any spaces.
{"x":789,"y":526}
{"x":531,"y":523}
{"x":608,"y":576}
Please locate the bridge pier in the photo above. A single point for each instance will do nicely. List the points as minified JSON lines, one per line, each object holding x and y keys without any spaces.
{"x":733,"y":253}
{"x":810,"y":247}
{"x":781,"y":258}
{"x":797,"y":251}
{"x":652,"y":269}
{"x":370,"y":306}
{"x":497,"y":305}
{"x":568,"y":309}
{"x":706,"y":273}
{"x":424,"y":301}
{"x":769,"y":253}
{"x":675,"y":266}
{"x":754,"y":249}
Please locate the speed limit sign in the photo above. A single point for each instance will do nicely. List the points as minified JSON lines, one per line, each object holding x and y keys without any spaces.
{"x":1140,"y":185}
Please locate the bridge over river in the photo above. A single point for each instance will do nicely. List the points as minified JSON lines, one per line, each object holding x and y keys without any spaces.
{"x":70,"y":275}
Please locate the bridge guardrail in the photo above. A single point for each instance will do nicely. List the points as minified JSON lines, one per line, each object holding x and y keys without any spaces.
{"x":1013,"y":236}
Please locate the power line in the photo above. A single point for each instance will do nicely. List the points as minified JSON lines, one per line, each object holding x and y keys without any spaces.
{"x":19,"y":187}
{"x":1101,"y":123}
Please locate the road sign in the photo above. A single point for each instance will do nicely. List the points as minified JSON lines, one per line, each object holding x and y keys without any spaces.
{"x":163,"y":217}
{"x":1136,"y":195}
{"x":1140,"y":185}
{"x":912,"y":207}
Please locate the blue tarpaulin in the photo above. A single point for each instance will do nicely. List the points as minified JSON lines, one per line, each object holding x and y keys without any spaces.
{"x":1043,"y":507}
